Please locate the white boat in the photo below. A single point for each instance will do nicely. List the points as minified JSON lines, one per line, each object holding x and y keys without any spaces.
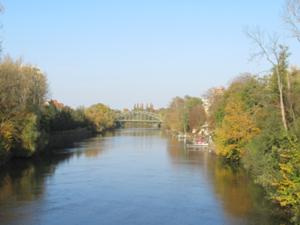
{"x":197,"y":145}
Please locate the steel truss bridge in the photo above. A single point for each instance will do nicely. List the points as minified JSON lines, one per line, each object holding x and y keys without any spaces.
{"x":139,"y":117}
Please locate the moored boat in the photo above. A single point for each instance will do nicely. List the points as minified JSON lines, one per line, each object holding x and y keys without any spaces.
{"x":197,"y":145}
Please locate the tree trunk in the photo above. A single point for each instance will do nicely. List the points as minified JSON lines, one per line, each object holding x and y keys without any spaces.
{"x":290,"y":102}
{"x":282,"y":107}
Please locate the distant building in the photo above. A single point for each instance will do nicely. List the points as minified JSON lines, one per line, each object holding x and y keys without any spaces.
{"x":205,"y":104}
{"x":144,"y":107}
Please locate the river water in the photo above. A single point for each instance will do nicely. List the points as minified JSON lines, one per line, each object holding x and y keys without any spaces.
{"x":129,"y":177}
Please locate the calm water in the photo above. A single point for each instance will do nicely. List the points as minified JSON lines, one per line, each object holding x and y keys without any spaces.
{"x":134,"y":176}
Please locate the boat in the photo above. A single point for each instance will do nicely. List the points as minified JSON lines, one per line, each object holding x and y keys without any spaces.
{"x":197,"y":145}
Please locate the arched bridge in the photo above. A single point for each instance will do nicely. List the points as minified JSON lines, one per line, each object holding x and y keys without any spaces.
{"x":139,"y":117}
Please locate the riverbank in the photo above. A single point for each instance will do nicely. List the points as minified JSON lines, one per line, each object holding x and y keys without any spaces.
{"x":51,"y":141}
{"x":57,"y":140}
{"x":65,"y":138}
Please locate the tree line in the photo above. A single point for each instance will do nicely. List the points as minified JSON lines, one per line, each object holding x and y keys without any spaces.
{"x":255,"y":121}
{"x":27,"y":119}
{"x":250,"y":130}
{"x":184,"y":114}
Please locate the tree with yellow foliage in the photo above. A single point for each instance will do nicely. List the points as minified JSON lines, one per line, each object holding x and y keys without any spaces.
{"x":236,"y":130}
{"x":101,"y":116}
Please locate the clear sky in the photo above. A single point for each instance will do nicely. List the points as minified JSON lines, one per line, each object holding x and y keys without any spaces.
{"x":124,"y":52}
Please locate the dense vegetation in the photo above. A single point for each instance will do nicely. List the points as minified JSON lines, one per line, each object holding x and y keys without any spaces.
{"x":101,"y":117}
{"x":184,"y":114}
{"x":251,"y":129}
{"x":27,"y":119}
{"x":57,"y":117}
{"x":255,"y":121}
{"x":23,"y":91}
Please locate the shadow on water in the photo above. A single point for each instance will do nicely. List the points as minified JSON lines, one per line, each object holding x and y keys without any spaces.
{"x":241,"y":198}
{"x":23,"y":182}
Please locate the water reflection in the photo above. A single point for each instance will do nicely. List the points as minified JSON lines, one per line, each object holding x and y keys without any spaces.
{"x":242,"y":200}
{"x":131,"y":176}
{"x":23,"y":182}
{"x":138,"y":132}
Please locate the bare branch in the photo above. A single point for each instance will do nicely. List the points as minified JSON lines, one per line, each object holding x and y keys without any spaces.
{"x":267,"y":49}
{"x":292,"y":17}
{"x":271,"y":50}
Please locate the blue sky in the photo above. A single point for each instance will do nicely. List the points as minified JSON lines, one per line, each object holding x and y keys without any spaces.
{"x":124,"y":52}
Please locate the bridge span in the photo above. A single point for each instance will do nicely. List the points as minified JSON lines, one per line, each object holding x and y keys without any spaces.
{"x":139,"y":116}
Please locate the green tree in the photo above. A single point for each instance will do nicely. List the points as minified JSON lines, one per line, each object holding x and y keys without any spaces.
{"x":185,"y":114}
{"x":23,"y":90}
{"x":101,"y":116}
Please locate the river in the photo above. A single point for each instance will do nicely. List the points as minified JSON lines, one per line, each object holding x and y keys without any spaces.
{"x":129,"y":177}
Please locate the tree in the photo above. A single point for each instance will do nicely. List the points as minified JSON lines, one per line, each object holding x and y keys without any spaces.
{"x":273,"y":53}
{"x":101,"y":116}
{"x":236,"y":130}
{"x":174,"y":115}
{"x":185,"y":114}
{"x":6,"y":138}
{"x":215,"y":114}
{"x":23,"y":90}
{"x":196,"y":115}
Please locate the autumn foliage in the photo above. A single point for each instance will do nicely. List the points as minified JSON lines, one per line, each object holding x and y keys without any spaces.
{"x":248,"y":129}
{"x":236,"y":130}
{"x":27,"y":118}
